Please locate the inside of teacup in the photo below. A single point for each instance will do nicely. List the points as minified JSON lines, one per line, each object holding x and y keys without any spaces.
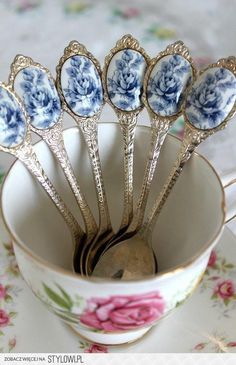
{"x":190,"y":220}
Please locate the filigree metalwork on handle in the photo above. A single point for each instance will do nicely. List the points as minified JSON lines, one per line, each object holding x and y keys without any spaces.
{"x":26,"y":155}
{"x":128,"y":123}
{"x":90,"y":132}
{"x":159,"y":132}
{"x":89,"y":129}
{"x":54,"y":138}
{"x":192,"y":139}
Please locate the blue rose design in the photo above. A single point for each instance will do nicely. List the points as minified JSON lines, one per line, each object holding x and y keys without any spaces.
{"x":12,"y":121}
{"x":40,"y":98}
{"x":207,"y":98}
{"x":166,"y":85}
{"x":125,"y":83}
{"x":41,"y":105}
{"x":82,"y":89}
{"x":165,"y":89}
{"x":210,"y":100}
{"x":83,"y":92}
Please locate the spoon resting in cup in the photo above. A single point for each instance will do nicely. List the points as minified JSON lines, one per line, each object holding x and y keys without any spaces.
{"x":166,"y":82}
{"x":35,"y":86}
{"x":80,"y":87}
{"x":123,"y":76}
{"x":209,"y":105}
{"x":15,"y":139}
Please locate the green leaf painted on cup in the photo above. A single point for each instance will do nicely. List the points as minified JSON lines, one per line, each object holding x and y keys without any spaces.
{"x":65,"y":295}
{"x":1,"y":176}
{"x":56,"y":298}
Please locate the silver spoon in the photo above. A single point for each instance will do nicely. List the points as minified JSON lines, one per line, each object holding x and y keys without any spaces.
{"x":123,"y":76}
{"x":210,"y":104}
{"x":15,"y":139}
{"x":35,"y":86}
{"x":166,"y":81}
{"x":80,"y":87}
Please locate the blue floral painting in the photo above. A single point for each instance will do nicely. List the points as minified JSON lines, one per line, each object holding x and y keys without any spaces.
{"x":167,"y":84}
{"x":39,"y":96}
{"x":82,"y":86}
{"x":12,"y":121}
{"x":125,"y":79}
{"x":211,"y":98}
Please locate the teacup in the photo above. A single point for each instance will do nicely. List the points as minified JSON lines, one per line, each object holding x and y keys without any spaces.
{"x":111,"y":311}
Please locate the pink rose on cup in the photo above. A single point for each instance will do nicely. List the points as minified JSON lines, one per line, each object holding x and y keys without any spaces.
{"x":4,"y":318}
{"x":231,"y":344}
{"x":96,"y":348}
{"x":2,"y":291}
{"x":225,"y":289}
{"x":212,"y":259}
{"x":123,"y":312}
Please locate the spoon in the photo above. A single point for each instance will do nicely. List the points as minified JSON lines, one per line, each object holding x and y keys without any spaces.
{"x":209,"y":105}
{"x":15,"y":139}
{"x":35,"y":86}
{"x":80,"y":87}
{"x":123,"y":76}
{"x":166,"y":81}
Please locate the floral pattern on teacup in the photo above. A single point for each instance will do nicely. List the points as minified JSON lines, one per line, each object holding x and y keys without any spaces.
{"x":211,"y":98}
{"x":115,"y":313}
{"x":39,"y":96}
{"x":81,"y":86}
{"x":220,"y":281}
{"x":123,"y":312}
{"x":12,"y":120}
{"x":9,"y":290}
{"x":168,"y":81}
{"x":125,"y":79}
{"x":225,"y":289}
{"x":93,"y":347}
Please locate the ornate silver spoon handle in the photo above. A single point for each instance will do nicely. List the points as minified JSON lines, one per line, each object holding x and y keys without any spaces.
{"x":80,"y":87}
{"x":54,"y":138}
{"x":123,"y":75}
{"x":159,"y":132}
{"x":34,"y":82}
{"x":128,"y":123}
{"x":191,"y":140}
{"x":26,"y":155}
{"x":90,"y":132}
{"x":216,"y":82}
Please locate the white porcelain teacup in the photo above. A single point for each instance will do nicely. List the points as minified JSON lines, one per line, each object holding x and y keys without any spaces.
{"x":105,"y":310}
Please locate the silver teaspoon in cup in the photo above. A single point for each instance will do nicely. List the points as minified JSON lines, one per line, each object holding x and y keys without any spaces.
{"x":35,"y":86}
{"x":209,"y":105}
{"x":165,"y":85}
{"x":80,"y":87}
{"x":123,"y":76}
{"x":15,"y":139}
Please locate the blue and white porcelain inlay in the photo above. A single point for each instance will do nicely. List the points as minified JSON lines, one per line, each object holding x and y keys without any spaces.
{"x":39,"y":96}
{"x":82,"y":86}
{"x":168,"y":81}
{"x":125,"y":79}
{"x":12,"y":121}
{"x":211,"y":98}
